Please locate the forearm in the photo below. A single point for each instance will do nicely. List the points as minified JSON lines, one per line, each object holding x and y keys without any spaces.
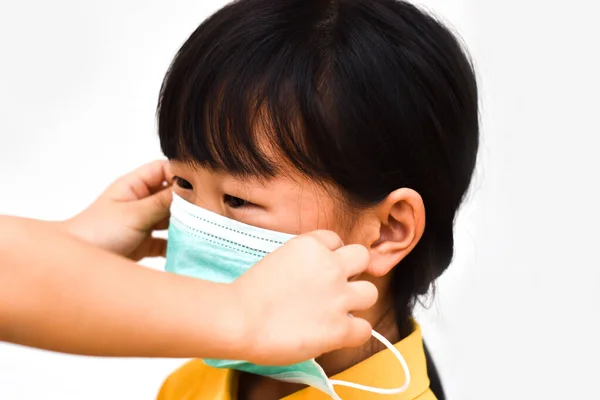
{"x":57,"y":293}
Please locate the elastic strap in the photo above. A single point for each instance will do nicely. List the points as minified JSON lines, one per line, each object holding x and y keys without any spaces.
{"x":371,"y":389}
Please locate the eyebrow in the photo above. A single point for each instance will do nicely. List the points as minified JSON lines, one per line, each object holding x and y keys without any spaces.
{"x":251,"y":180}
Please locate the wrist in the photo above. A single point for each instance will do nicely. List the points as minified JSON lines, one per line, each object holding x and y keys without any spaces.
{"x":238,"y":335}
{"x":68,"y":227}
{"x":221,"y":331}
{"x":74,"y":228}
{"x":63,"y":226}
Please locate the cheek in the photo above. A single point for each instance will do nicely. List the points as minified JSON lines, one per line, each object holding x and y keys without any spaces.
{"x":305,"y":216}
{"x":327,"y":213}
{"x":303,"y":207}
{"x":334,"y":217}
{"x":298,"y":212}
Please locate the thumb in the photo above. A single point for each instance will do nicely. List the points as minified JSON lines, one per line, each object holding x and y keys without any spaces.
{"x":153,"y":209}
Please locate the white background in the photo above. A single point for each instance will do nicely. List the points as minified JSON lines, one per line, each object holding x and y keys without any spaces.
{"x":516,"y":315}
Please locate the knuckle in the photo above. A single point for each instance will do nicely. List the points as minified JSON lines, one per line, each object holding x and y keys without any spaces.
{"x":308,"y":240}
{"x":338,"y":272}
{"x":325,"y":236}
{"x":360,"y":252}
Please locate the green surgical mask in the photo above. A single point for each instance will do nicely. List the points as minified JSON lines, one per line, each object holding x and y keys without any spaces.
{"x":211,"y":247}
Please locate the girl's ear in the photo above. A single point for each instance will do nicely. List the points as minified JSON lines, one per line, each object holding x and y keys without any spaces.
{"x":395,"y":228}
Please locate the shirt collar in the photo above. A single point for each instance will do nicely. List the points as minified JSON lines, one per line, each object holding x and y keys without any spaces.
{"x":382,"y":370}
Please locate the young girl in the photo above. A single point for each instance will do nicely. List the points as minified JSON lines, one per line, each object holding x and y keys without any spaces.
{"x":285,"y":116}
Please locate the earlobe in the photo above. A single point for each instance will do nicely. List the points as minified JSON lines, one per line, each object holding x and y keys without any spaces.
{"x":402,"y":221}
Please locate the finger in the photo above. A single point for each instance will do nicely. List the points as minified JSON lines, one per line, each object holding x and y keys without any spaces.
{"x":355,"y":259}
{"x":359,"y":332}
{"x":363,"y":295}
{"x":158,"y":248}
{"x":154,"y":247}
{"x":142,"y":182}
{"x":150,"y":178}
{"x":153,"y":209}
{"x":330,"y":239}
{"x":162,"y":225}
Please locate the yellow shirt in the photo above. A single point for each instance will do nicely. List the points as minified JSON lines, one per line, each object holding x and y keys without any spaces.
{"x":197,"y":381}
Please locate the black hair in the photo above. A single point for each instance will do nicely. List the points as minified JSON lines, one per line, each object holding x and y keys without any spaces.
{"x":371,"y":95}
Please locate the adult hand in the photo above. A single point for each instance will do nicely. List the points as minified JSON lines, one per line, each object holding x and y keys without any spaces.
{"x":123,"y":218}
{"x":310,"y":277}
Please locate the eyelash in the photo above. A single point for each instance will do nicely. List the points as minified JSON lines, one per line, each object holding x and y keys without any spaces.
{"x":234,"y":202}
{"x":182,"y":183}
{"x":231,"y":201}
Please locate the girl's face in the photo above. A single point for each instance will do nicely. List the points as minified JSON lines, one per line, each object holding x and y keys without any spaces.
{"x":292,"y":203}
{"x":287,"y":203}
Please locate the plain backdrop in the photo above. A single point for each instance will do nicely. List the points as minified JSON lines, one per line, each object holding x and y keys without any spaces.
{"x":515,"y":316}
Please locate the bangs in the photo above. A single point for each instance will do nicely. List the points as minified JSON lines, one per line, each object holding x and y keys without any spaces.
{"x":246,"y":104}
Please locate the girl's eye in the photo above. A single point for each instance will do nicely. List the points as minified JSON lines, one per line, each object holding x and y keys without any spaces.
{"x":235,"y":202}
{"x":182,"y":183}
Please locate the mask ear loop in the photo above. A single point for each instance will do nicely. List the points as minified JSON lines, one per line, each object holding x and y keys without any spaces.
{"x":371,"y":389}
